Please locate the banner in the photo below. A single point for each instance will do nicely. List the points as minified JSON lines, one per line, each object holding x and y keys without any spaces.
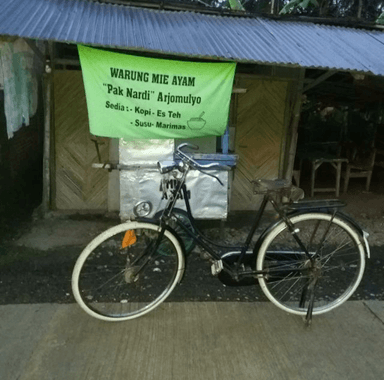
{"x":149,"y":98}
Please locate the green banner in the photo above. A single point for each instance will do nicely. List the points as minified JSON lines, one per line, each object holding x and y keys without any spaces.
{"x":148,"y":98}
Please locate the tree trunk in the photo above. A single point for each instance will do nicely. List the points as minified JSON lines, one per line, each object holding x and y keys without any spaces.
{"x":360,"y":9}
{"x":323,"y":5}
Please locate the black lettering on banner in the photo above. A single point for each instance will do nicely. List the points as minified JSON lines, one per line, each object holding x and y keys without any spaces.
{"x":139,"y":123}
{"x":160,"y":78}
{"x":138,"y":76}
{"x":145,"y":95}
{"x":183,"y":81}
{"x":116,"y":106}
{"x":168,"y":188}
{"x":182,"y":99}
{"x":160,"y":124}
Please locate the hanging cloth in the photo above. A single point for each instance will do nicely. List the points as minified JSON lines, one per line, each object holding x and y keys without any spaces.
{"x":19,"y":76}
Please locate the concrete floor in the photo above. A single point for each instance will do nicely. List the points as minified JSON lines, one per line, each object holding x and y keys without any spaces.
{"x":223,"y":341}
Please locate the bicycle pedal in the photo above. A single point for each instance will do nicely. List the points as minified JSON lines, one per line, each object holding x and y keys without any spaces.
{"x":217,"y":267}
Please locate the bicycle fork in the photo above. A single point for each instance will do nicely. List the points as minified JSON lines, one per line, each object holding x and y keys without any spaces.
{"x":134,"y":268}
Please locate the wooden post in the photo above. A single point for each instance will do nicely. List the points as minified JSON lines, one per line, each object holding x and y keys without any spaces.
{"x":294,"y":126}
{"x":225,"y":141}
{"x":360,"y":9}
{"x":47,"y":82}
{"x":272,"y":6}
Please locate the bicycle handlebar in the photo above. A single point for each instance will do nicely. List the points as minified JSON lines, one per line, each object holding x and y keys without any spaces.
{"x":189,"y":145}
{"x":187,"y":158}
{"x":190,"y":161}
{"x":194,"y":163}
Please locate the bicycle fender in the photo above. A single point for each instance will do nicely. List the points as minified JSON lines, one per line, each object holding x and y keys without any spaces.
{"x":348,"y":219}
{"x":363,"y":234}
{"x":182,"y":245}
{"x":261,"y":238}
{"x":170,"y":229}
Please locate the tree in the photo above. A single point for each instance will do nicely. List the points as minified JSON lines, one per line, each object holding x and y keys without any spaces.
{"x":380,"y":19}
{"x":236,"y":5}
{"x":367,"y":10}
{"x":297,"y":4}
{"x":364,"y":10}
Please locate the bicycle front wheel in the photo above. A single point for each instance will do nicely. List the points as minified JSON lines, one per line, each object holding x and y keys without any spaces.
{"x":181,"y":215}
{"x":126,"y":272}
{"x":289,"y":276}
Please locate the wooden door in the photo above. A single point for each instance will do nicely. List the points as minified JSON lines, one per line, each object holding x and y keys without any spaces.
{"x":78,"y":186}
{"x":260,"y":131}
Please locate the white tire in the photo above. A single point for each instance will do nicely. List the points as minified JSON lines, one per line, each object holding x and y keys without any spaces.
{"x":339,"y":265}
{"x":104,"y":280}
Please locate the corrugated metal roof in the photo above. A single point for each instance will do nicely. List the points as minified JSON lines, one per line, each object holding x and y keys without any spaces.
{"x":242,"y":39}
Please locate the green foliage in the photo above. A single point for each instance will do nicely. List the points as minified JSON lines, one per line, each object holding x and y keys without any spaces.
{"x":236,"y":5}
{"x":352,"y":10}
{"x":294,"y":4}
{"x":380,"y":19}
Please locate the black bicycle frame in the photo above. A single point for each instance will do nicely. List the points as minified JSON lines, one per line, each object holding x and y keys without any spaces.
{"x":206,"y":243}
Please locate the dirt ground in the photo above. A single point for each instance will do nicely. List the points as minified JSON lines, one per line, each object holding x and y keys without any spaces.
{"x":37,"y":255}
{"x":59,"y":229}
{"x":367,"y":208}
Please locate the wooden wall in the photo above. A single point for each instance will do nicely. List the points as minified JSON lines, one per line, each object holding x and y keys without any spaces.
{"x":77,"y":186}
{"x":261,"y":126}
{"x":261,"y":120}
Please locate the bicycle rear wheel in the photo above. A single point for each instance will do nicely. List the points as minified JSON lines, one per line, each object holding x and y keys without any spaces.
{"x":290,"y":277}
{"x":121,"y":274}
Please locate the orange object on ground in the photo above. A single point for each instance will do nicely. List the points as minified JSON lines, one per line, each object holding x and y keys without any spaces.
{"x":129,"y":239}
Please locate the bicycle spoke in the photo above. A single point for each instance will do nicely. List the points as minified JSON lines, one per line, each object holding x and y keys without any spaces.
{"x":299,"y":284}
{"x":116,"y":285}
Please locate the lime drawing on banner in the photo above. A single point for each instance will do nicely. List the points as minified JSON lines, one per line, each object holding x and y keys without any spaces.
{"x":196,"y":123}
{"x":150,"y":98}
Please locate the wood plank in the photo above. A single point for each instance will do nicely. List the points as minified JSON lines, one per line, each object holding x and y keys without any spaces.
{"x":259,"y":133}
{"x":78,"y":185}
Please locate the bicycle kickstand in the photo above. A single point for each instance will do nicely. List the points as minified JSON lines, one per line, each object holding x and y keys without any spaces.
{"x":308,"y":317}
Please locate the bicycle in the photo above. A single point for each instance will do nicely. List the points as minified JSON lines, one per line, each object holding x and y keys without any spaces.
{"x":308,"y":262}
